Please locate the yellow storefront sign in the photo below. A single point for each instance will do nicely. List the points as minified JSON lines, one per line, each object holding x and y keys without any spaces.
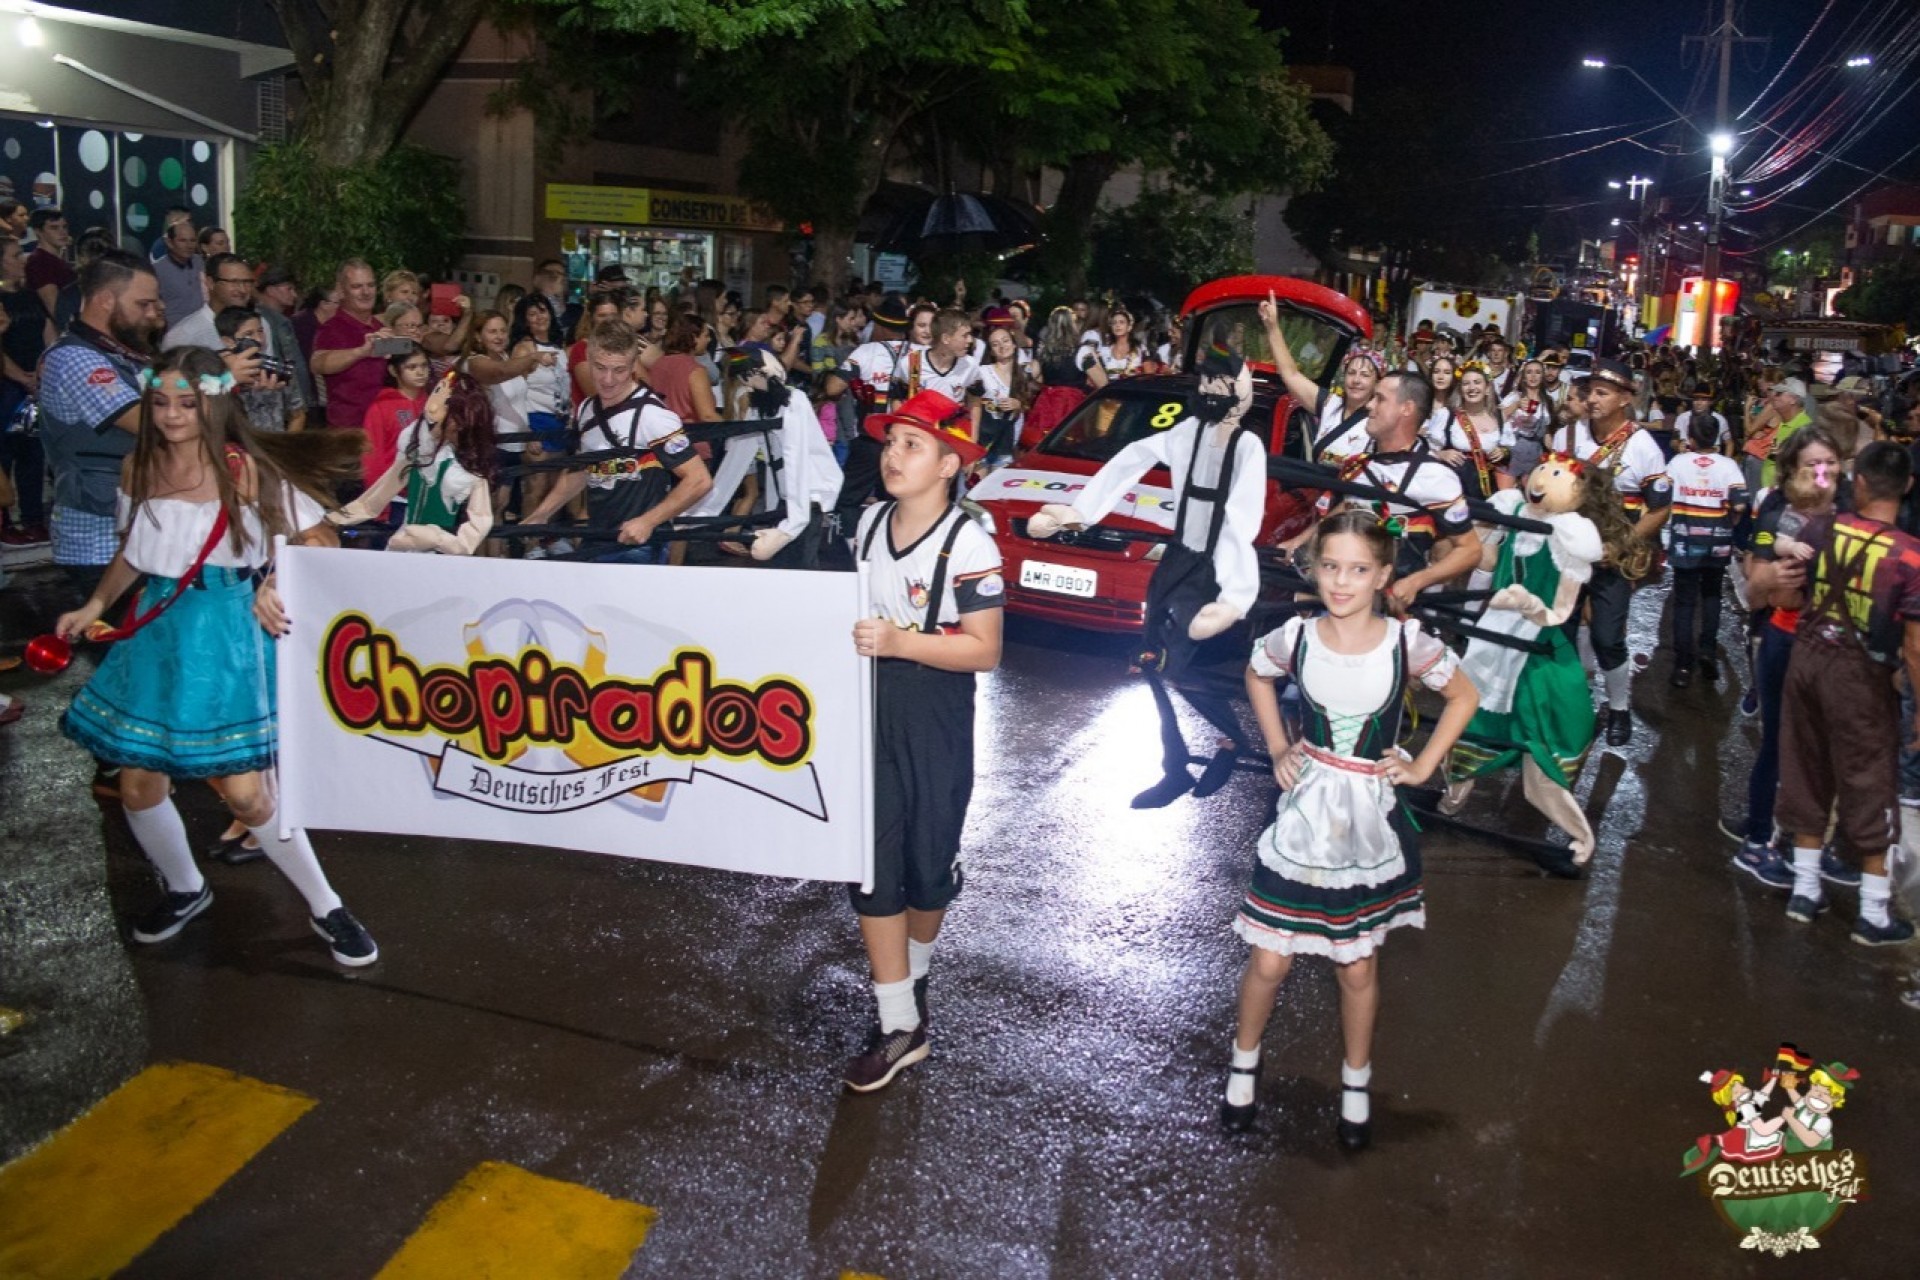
{"x":646,"y":207}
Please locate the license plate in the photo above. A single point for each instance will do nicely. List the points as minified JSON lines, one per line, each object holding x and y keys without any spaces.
{"x":1059,"y":578}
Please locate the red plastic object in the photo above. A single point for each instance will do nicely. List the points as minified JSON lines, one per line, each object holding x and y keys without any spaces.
{"x":48,"y":655}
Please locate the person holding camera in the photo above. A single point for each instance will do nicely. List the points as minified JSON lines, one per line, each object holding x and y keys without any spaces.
{"x":351,"y":350}
{"x":269,"y":395}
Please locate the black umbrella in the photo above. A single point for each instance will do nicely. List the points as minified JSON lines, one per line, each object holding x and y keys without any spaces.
{"x":966,"y":223}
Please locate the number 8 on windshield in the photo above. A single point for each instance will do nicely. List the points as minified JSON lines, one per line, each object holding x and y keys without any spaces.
{"x":1168,"y":414}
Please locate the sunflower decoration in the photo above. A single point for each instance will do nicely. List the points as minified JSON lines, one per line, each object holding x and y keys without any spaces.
{"x":1466,"y":304}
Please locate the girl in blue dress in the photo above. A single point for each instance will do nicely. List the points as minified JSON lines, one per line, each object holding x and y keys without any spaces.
{"x":188,"y":689}
{"x":1339,"y":867}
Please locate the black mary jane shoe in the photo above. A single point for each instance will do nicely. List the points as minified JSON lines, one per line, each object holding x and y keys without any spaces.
{"x":233,"y":850}
{"x":1619,"y":728}
{"x":1355,"y":1137}
{"x":1240,"y":1119}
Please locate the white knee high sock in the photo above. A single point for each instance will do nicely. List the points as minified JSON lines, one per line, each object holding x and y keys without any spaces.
{"x":296,"y":862}
{"x":1355,"y":1108}
{"x":163,"y":838}
{"x":1589,"y":660}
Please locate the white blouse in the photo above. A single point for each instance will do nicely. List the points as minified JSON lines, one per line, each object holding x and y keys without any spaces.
{"x":166,"y":537}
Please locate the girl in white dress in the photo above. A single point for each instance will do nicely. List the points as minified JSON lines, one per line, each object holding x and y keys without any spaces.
{"x":1339,"y":866}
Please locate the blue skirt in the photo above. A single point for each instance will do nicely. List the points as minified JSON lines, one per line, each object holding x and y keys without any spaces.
{"x":191,"y":694}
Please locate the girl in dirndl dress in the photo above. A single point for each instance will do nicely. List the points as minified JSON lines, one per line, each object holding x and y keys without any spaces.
{"x":1339,"y":867}
{"x":188,"y":689}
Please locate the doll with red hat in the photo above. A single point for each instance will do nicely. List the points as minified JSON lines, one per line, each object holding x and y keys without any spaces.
{"x":937,"y":593}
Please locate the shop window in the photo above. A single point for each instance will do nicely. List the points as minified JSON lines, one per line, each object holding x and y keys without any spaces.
{"x":108,"y":178}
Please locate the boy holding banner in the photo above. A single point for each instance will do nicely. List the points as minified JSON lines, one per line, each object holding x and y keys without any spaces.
{"x":937,"y":590}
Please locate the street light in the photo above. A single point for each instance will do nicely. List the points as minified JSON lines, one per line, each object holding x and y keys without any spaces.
{"x":1860,"y":60}
{"x":1601,"y":64}
{"x":1721,"y":144}
{"x":1612,"y":185}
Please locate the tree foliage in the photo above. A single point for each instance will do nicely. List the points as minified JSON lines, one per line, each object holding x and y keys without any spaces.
{"x":404,"y":209}
{"x":1168,"y":241}
{"x":1891,"y":295}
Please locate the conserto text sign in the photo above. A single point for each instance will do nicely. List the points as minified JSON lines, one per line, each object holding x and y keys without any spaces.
{"x":651,"y":207}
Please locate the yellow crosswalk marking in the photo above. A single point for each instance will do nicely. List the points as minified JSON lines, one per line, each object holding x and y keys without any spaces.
{"x":501,"y":1221}
{"x":91,"y":1198}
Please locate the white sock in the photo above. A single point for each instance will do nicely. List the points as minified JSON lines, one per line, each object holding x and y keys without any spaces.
{"x":919,"y":958}
{"x":1619,"y":683}
{"x":897,"y":1010}
{"x":1875,"y":893}
{"x":1806,"y":875}
{"x":1355,"y":1108}
{"x":296,"y":862}
{"x":1239,"y":1087}
{"x":1589,"y":660}
{"x":163,"y":838}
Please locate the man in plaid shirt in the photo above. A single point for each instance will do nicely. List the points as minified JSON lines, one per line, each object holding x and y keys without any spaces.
{"x":90,"y":407}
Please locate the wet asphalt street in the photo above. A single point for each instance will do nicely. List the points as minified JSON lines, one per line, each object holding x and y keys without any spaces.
{"x":673,"y":1037}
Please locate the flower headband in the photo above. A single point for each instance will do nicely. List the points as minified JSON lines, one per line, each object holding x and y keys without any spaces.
{"x":1361,"y":351}
{"x":208,"y":384}
{"x":1474,"y":366}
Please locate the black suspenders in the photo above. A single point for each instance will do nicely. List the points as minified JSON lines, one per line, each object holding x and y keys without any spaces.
{"x":937,"y":589}
{"x":1217,"y":494}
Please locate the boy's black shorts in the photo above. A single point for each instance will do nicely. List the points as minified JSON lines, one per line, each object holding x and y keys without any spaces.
{"x":923,"y":779}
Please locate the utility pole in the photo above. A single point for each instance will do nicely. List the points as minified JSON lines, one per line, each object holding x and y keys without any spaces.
{"x":1720,"y":142}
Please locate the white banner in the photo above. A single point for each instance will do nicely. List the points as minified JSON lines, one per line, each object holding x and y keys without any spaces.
{"x":1147,"y":503}
{"x":717,"y":717}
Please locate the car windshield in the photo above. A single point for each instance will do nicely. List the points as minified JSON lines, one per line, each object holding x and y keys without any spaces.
{"x":1114,"y":419}
{"x":1314,"y":341}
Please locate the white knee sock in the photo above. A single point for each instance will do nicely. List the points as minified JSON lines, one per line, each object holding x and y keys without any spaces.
{"x":1875,"y":893}
{"x":1240,"y":1087}
{"x":296,"y":862}
{"x":1589,"y":660}
{"x":1619,"y":682}
{"x":1806,"y":874}
{"x":919,"y":958}
{"x":1355,"y":1108}
{"x":897,"y":1010}
{"x":163,"y":838}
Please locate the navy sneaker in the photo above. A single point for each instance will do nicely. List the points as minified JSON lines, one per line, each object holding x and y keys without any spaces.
{"x":347,"y":939}
{"x":172,"y":914}
{"x":1836,"y":870}
{"x":1750,"y":702}
{"x":1891,"y":934}
{"x":1805,"y":909}
{"x":886,"y":1056}
{"x":1764,"y":863}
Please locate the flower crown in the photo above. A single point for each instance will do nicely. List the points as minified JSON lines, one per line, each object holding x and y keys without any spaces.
{"x":1474,"y":366}
{"x":1361,"y":351}
{"x":207,"y":385}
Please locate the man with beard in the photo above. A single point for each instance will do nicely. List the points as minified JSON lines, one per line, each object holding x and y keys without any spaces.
{"x":802,"y":477}
{"x":90,"y":407}
{"x":1209,"y":575}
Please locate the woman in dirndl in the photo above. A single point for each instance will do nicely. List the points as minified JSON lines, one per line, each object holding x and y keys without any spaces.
{"x":187,"y":690}
{"x":1339,"y":868}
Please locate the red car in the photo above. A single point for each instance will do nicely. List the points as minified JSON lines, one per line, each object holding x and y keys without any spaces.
{"x":1097,"y":578}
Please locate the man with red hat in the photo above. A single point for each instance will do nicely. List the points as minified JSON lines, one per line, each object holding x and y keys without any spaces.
{"x":937,"y":595}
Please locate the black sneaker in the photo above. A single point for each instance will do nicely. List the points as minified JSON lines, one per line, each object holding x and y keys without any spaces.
{"x":1682,"y":676}
{"x":886,"y":1056}
{"x":349,"y":941}
{"x":1619,"y":728}
{"x":171,"y":916}
{"x":920,"y":998}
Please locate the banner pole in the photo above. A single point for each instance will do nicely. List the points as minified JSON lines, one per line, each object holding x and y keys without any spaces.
{"x":863,"y":572}
{"x":282,"y":678}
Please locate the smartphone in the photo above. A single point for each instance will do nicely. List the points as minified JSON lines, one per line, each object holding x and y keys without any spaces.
{"x":443,"y":300}
{"x":392,"y":346}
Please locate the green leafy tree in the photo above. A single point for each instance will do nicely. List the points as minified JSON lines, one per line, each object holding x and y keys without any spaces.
{"x":1194,"y":87}
{"x":403,"y":209}
{"x":1193,"y":239}
{"x":1891,"y":295}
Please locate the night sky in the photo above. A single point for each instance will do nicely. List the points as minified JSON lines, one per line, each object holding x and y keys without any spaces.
{"x":1518,"y":68}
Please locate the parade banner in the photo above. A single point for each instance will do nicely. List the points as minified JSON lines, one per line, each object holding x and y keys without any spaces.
{"x":715,"y":717}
